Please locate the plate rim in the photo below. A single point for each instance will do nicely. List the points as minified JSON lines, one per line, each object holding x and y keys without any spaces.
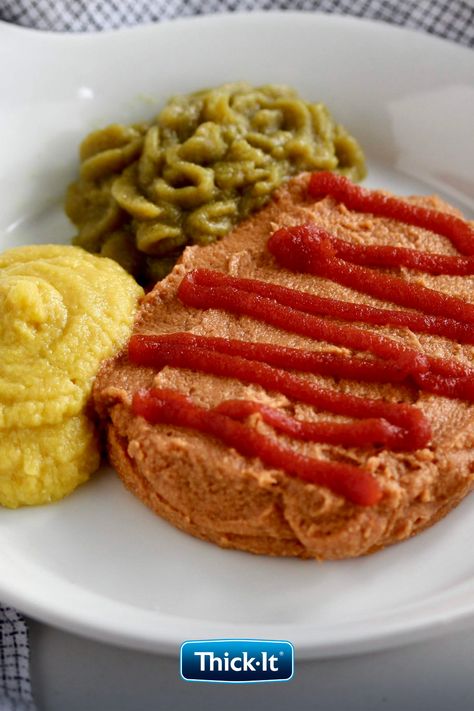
{"x":395,"y":634}
{"x":329,"y":17}
{"x":432,"y":620}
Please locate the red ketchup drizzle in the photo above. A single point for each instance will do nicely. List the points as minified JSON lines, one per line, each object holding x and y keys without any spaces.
{"x":363,"y":433}
{"x":459,"y":232}
{"x":143,"y":347}
{"x":413,"y":429}
{"x":169,"y":407}
{"x":381,"y":255}
{"x":206,"y":289}
{"x":308,"y":248}
{"x":268,"y":302}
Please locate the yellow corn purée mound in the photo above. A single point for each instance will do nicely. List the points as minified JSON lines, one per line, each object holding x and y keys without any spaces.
{"x":62,"y":312}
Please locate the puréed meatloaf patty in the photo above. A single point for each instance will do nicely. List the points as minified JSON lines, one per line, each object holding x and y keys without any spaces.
{"x":209,"y":490}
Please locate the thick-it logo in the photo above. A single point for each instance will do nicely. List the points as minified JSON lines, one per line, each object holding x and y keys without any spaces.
{"x":236,"y":661}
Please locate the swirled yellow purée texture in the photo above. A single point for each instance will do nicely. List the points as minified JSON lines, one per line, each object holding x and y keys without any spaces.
{"x":62,"y":311}
{"x":210,"y":159}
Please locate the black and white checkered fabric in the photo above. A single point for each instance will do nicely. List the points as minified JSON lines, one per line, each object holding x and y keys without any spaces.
{"x":15,"y":686}
{"x":452,"y":19}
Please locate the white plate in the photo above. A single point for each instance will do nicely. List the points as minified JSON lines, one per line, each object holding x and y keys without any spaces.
{"x":99,"y":563}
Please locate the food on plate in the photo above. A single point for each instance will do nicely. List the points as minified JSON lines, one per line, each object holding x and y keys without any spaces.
{"x":208,"y":160}
{"x":304,"y":387}
{"x":62,"y":312}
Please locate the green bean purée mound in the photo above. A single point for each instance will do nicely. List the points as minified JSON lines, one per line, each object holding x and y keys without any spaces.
{"x":210,"y":159}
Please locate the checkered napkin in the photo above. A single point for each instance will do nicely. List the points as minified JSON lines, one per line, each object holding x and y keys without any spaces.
{"x":15,"y":686}
{"x":452,"y":19}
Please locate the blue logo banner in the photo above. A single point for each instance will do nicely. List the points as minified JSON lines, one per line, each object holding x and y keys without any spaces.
{"x":236,"y":661}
